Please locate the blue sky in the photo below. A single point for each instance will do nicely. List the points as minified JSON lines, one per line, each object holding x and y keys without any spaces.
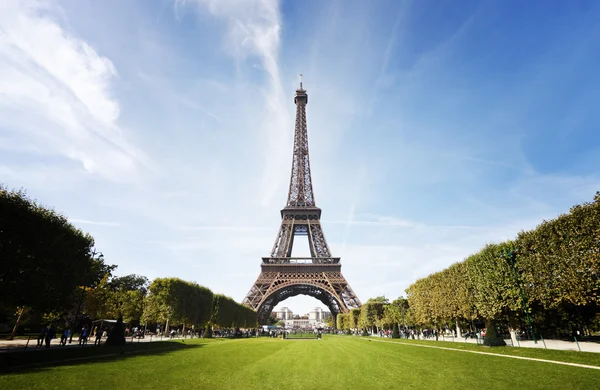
{"x":164,"y":128}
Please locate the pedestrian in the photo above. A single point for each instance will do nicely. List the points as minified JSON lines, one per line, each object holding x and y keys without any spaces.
{"x":83,"y":336}
{"x":65,"y":336}
{"x":42,"y":336}
{"x":49,"y":336}
{"x":98,"y":336}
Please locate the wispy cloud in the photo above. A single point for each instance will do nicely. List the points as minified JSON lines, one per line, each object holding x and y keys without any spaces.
{"x":55,"y":93}
{"x":97,"y":223}
{"x":254,"y":28}
{"x":225,"y":228}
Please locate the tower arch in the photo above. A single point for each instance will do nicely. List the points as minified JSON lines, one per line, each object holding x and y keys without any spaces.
{"x":292,"y":289}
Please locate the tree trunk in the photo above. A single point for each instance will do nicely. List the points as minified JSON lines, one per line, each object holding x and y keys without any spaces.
{"x":492,"y":339}
{"x":21,"y":310}
{"x":513,"y":331}
{"x":458,"y":331}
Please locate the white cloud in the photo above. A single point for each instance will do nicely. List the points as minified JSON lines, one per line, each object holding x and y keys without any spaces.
{"x":97,"y":223}
{"x":253,"y":30}
{"x":55,"y":93}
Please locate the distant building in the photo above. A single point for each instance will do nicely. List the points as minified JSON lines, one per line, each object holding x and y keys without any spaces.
{"x":283,"y":314}
{"x":318,"y":315}
{"x":314,"y":319}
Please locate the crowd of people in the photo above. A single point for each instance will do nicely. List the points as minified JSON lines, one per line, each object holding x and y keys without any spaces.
{"x":48,"y":333}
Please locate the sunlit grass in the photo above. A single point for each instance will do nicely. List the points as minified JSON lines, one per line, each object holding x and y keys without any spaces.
{"x":331,"y":363}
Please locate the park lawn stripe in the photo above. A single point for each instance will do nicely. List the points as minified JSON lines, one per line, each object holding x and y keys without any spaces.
{"x":566,"y":356}
{"x":489,"y":353}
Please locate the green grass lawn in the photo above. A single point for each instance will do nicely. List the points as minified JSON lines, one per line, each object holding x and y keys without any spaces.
{"x":331,"y":363}
{"x":301,"y":335}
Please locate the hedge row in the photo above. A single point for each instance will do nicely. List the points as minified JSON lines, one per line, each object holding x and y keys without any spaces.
{"x":551,"y":272}
{"x":179,"y":302}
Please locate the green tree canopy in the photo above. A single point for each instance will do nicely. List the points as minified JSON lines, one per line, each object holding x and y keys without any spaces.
{"x":44,"y":257}
{"x":117,"y":296}
{"x":178,"y":301}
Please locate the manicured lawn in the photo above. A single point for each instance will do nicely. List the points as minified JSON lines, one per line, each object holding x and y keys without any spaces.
{"x":331,"y":363}
{"x":301,"y":335}
{"x":588,"y":358}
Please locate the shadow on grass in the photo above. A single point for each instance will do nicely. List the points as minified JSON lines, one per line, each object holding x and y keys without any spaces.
{"x":42,"y":359}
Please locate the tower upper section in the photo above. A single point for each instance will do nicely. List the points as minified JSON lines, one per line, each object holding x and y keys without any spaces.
{"x":300,"y":195}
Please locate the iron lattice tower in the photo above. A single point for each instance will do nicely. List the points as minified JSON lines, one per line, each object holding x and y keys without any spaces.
{"x":283,"y":276}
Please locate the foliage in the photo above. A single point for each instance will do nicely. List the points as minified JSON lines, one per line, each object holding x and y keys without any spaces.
{"x":131,"y":282}
{"x":555,"y":270}
{"x":353,"y":318}
{"x":372,"y":312}
{"x":44,"y":257}
{"x":398,"y":311}
{"x":178,"y":301}
{"x":343,"y":321}
{"x":117,"y":296}
{"x":492,"y":281}
{"x":329,"y":321}
{"x":228,"y":313}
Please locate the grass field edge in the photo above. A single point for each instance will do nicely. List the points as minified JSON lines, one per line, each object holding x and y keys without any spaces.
{"x":485,"y":353}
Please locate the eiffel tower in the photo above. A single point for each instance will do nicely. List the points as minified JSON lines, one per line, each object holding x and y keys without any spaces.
{"x":319,"y":275}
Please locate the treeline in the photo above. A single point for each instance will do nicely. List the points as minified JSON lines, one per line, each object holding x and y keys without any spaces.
{"x":175,"y":302}
{"x":51,"y":274}
{"x":375,"y":315}
{"x":45,"y":260}
{"x":550,"y":272}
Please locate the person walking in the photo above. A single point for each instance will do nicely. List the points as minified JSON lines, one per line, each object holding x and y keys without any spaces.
{"x":83,"y":336}
{"x":65,"y":336}
{"x":49,"y":336}
{"x":42,"y":336}
{"x":98,"y":336}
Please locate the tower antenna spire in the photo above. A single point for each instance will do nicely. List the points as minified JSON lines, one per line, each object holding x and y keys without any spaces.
{"x":300,"y":80}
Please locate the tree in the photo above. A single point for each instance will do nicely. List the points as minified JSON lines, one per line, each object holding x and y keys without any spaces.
{"x":116,"y":296}
{"x":372,"y":312}
{"x":395,"y":331}
{"x":223,"y":314}
{"x":553,"y":278}
{"x":45,"y":257}
{"x":353,"y":319}
{"x":398,"y":311}
{"x":494,"y":289}
{"x":131,"y":282}
{"x":178,"y":301}
{"x":329,"y":321}
{"x":342,"y":321}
